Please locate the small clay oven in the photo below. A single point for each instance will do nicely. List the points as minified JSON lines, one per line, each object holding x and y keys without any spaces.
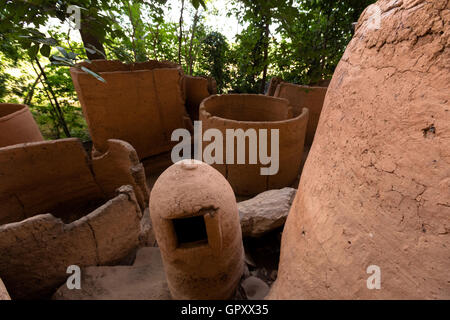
{"x":304,"y":97}
{"x":195,"y":219}
{"x":141,"y":103}
{"x":59,"y":208}
{"x":17,"y":125}
{"x":250,"y":111}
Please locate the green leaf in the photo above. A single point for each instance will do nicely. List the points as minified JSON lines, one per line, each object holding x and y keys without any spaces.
{"x":45,"y":50}
{"x":92,"y":73}
{"x":63,"y":51}
{"x":61,"y":63}
{"x":61,"y":59}
{"x":33,"y":51}
{"x":91,"y":49}
{"x":47,"y":41}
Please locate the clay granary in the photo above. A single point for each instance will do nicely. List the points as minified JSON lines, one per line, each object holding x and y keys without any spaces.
{"x":17,"y":125}
{"x":258,"y":112}
{"x":162,"y":94}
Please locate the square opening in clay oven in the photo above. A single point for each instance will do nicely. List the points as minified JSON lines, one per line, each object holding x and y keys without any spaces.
{"x":190,"y":232}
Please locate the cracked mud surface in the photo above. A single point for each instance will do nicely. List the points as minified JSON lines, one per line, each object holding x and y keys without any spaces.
{"x":375,"y":189}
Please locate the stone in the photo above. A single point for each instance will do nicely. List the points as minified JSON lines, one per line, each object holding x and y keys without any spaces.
{"x":59,"y":208}
{"x":147,"y":237}
{"x":251,"y":111}
{"x":17,"y":125}
{"x":375,"y":188}
{"x":255,"y":288}
{"x":144,"y":280}
{"x":3,"y":292}
{"x":265,"y":212}
{"x":196,"y":223}
{"x":140,"y":103}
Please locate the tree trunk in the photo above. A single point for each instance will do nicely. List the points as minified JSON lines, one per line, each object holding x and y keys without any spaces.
{"x":180,"y":35}
{"x":191,"y":59}
{"x":56,"y":106}
{"x":89,"y":39}
{"x":266,"y":56}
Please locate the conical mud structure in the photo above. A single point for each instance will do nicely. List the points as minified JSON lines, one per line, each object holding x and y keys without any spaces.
{"x":375,"y":190}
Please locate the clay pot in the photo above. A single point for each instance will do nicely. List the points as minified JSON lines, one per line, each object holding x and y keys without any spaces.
{"x":273,"y":84}
{"x":17,"y":125}
{"x":3,"y":292}
{"x":197,"y":89}
{"x":60,"y":208}
{"x":304,"y":97}
{"x":247,"y":111}
{"x":196,"y":222}
{"x":141,"y":103}
{"x":375,"y":189}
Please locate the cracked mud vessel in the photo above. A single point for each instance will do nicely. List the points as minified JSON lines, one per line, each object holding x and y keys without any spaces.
{"x":196,"y":223}
{"x":381,"y":194}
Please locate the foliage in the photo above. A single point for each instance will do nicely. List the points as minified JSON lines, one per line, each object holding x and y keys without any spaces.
{"x":298,"y":40}
{"x":214,"y":59}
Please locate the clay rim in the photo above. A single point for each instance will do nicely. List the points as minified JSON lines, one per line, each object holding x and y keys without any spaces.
{"x":209,"y":116}
{"x":159,"y":65}
{"x":21,"y":108}
{"x":301,"y":86}
{"x":73,"y":223}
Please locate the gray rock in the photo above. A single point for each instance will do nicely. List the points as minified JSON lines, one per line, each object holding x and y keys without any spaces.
{"x":265,"y":212}
{"x":255,"y":288}
{"x":145,"y":280}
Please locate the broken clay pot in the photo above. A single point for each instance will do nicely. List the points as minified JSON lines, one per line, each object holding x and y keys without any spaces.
{"x":17,"y":125}
{"x":304,"y":97}
{"x":197,"y":89}
{"x":141,"y":103}
{"x":372,"y":209}
{"x":195,"y":218}
{"x":60,"y":208}
{"x":251,"y":111}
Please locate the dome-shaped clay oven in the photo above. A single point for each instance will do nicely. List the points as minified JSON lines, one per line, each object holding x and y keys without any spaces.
{"x":17,"y":125}
{"x":195,"y":219}
{"x":373,"y":205}
{"x":258,"y":112}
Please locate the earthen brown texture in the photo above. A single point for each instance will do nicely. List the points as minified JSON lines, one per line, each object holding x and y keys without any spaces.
{"x":60,"y":208}
{"x":206,"y":269}
{"x":144,"y":280}
{"x":273,"y":84}
{"x":304,"y":97}
{"x":248,"y":111}
{"x":141,"y":103}
{"x":197,"y":89}
{"x":375,"y":189}
{"x":17,"y":125}
{"x":3,"y":292}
